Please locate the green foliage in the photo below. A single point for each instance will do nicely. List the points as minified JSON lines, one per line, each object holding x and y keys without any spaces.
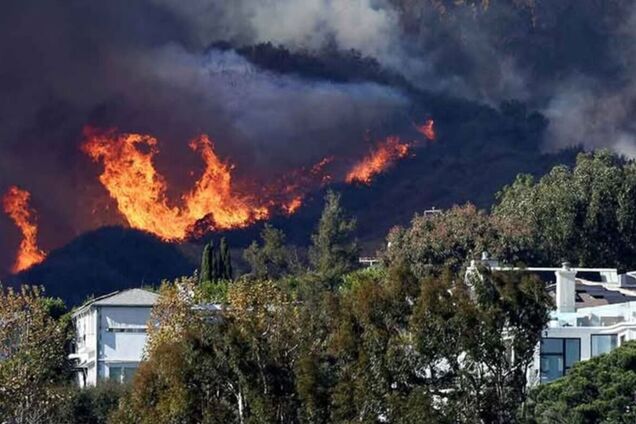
{"x":586,"y":215}
{"x":334,"y":252}
{"x":449,"y":238}
{"x":270,"y":259}
{"x":33,"y":363}
{"x":205,"y":274}
{"x":225,"y":269}
{"x":54,"y":307}
{"x":92,"y":405}
{"x":385,"y":345}
{"x":216,"y":264}
{"x":601,"y":390}
{"x":213,"y":291}
{"x":233,"y":367}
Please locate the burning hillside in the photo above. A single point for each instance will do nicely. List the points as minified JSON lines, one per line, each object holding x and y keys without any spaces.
{"x":216,"y":200}
{"x":384,"y":155}
{"x":16,"y":204}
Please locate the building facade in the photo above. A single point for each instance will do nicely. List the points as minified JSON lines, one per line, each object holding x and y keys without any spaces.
{"x":110,"y":336}
{"x":595,"y":312}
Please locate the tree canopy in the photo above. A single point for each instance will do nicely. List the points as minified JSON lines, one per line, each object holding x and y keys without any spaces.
{"x":586,"y":215}
{"x":601,"y":390}
{"x":383,"y":345}
{"x":334,"y":252}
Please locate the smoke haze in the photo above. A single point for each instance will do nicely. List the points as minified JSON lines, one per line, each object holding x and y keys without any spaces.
{"x":157,"y":67}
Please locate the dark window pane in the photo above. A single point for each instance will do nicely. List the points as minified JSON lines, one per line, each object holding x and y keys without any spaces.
{"x":603,"y":343}
{"x":551,"y":368}
{"x":114,"y":373}
{"x":572,"y":352}
{"x":552,"y":346}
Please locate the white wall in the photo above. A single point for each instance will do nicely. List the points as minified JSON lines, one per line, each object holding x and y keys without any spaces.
{"x":110,"y":336}
{"x":118,"y":345}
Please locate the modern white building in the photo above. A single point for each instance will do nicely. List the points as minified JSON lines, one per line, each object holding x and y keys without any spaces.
{"x":595,"y":313}
{"x":111,"y":336}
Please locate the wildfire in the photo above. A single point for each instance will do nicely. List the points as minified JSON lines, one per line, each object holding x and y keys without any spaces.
{"x":130,"y":177}
{"x":385,"y":154}
{"x":16,"y":204}
{"x":293,"y":205}
{"x":427,"y":129}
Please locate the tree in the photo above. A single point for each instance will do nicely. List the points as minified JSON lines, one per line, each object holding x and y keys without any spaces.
{"x":450,"y":238}
{"x":206,"y":263}
{"x":585,"y":215}
{"x":225,"y":271}
{"x":334,"y":252}
{"x":270,"y":259}
{"x":33,"y":364}
{"x":216,"y":264}
{"x":92,"y":405}
{"x":234,"y":365}
{"x":509,"y":310}
{"x":601,"y":390}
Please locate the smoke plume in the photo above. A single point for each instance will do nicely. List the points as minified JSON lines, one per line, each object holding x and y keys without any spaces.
{"x":174,"y":70}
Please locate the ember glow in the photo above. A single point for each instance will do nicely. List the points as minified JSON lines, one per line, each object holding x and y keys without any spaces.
{"x":427,"y":129}
{"x":214,"y":203}
{"x":378,"y":160}
{"x":16,"y":204}
{"x":293,"y":205}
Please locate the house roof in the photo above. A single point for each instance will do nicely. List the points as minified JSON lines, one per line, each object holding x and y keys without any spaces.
{"x":131,"y":297}
{"x":589,"y":293}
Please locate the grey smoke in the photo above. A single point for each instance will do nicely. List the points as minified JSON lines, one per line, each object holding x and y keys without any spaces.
{"x":599,"y":112}
{"x":146,"y":66}
{"x":140,"y":68}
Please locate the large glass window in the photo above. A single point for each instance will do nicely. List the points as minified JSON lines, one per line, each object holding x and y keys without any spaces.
{"x":558,"y":355}
{"x":121,"y":374}
{"x":114,"y":373}
{"x":603,"y":343}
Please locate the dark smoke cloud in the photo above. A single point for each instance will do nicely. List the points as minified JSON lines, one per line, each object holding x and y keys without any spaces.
{"x":144,"y":68}
{"x":570,"y":59}
{"x":148,"y":66}
{"x":598,"y":111}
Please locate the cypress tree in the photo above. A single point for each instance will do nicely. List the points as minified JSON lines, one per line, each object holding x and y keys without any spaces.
{"x":218,"y":260}
{"x":206,"y":266}
{"x":214,"y":263}
{"x":226,"y":260}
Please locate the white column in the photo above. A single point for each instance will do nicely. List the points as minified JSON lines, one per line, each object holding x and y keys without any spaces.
{"x":565,"y":289}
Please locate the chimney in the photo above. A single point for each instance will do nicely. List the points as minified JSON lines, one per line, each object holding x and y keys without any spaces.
{"x":565,"y":289}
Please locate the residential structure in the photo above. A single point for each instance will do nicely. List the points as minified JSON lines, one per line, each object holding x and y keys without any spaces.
{"x":595,"y":312}
{"x":111,"y":336}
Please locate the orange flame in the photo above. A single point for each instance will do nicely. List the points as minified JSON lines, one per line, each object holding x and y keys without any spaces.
{"x":293,"y":205}
{"x":383,"y":156}
{"x":16,"y":204}
{"x":140,"y":192}
{"x":427,"y":129}
{"x":131,"y":179}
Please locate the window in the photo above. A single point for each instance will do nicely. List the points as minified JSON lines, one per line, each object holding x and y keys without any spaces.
{"x":121,"y":374}
{"x":127,"y":330}
{"x":114,"y":373}
{"x":603,"y":343}
{"x":558,"y":355}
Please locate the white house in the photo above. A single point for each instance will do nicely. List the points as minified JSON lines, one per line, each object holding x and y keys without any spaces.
{"x":595,"y":312}
{"x":111,"y":336}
